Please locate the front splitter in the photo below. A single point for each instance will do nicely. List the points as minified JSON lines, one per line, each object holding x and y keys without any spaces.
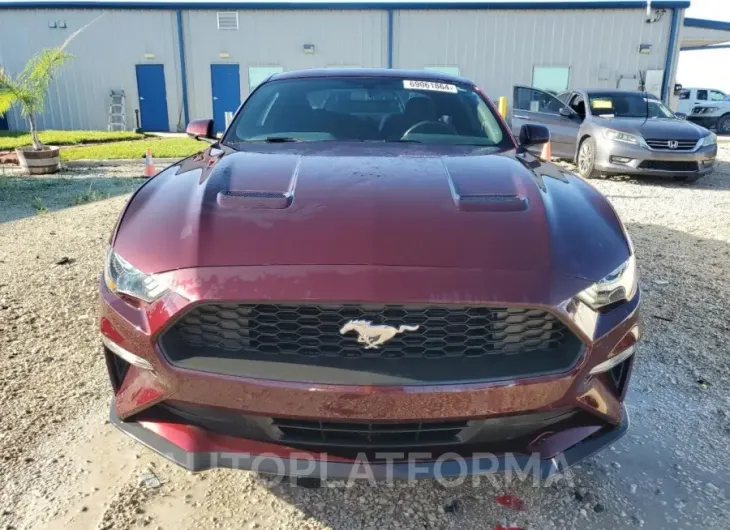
{"x":197,"y":450}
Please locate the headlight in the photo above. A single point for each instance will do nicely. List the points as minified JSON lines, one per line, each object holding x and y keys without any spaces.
{"x":617,"y":286}
{"x":619,"y":136}
{"x":710,"y":139}
{"x":122,"y":278}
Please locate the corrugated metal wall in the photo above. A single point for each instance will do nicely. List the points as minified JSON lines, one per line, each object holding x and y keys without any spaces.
{"x":106,"y":54}
{"x":499,"y":48}
{"x":495,"y":48}
{"x":276,"y":38}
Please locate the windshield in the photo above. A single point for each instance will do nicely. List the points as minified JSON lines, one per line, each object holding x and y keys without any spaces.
{"x":373,"y":109}
{"x":627,"y":105}
{"x":657,"y":109}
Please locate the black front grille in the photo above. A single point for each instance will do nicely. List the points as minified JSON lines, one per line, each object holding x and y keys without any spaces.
{"x":293,"y":342}
{"x":314,"y":330}
{"x":703,"y":110}
{"x":356,"y":434}
{"x":663,"y":143}
{"x":668,"y":165}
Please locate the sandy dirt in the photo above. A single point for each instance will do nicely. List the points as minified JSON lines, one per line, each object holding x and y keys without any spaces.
{"x":63,"y":466}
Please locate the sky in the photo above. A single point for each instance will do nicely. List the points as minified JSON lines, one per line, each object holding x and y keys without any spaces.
{"x":700,"y":68}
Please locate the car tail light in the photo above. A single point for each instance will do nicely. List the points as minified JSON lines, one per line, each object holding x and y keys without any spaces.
{"x":623,"y":350}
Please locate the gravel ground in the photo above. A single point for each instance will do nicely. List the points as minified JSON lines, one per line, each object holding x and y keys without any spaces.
{"x":63,"y":466}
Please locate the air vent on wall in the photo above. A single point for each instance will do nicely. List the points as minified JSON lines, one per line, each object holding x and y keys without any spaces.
{"x":228,"y":20}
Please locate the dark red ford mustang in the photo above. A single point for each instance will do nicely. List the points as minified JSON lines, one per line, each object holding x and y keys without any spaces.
{"x":369,"y":262}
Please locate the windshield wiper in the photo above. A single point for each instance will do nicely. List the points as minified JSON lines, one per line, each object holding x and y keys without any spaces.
{"x":275,"y":139}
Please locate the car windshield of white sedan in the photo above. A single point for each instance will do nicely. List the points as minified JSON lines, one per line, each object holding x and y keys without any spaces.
{"x":630,"y":105}
{"x":367,"y":109}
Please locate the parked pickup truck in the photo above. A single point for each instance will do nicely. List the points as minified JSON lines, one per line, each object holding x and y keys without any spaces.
{"x":715,"y":115}
{"x":689,"y":97}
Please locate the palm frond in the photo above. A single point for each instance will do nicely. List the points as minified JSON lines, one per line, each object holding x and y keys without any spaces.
{"x":7,"y":99}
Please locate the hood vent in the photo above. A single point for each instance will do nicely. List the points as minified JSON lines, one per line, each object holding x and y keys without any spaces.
{"x":491,"y":203}
{"x":254,"y":200}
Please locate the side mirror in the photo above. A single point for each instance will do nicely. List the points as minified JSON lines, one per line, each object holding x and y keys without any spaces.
{"x":201,"y":130}
{"x":567,"y":112}
{"x":534,"y":135}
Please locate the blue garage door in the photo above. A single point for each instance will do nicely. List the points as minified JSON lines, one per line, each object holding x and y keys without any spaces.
{"x":152,"y":97}
{"x":225,"y":82}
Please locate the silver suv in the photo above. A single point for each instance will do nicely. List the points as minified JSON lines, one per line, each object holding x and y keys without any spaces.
{"x":617,"y":132}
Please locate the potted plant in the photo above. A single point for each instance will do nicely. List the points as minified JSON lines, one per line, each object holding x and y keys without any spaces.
{"x":28,"y":90}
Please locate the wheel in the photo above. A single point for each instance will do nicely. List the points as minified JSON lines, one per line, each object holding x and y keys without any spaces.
{"x":587,"y":159}
{"x":723,"y":124}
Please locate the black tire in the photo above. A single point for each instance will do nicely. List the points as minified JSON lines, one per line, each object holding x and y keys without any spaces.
{"x":723,"y":124}
{"x":586,"y":159}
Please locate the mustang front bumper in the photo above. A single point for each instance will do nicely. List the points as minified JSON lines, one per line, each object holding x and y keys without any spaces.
{"x":197,"y":450}
{"x":201,"y":419}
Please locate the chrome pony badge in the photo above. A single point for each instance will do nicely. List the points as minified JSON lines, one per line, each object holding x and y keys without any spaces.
{"x":374,"y":336}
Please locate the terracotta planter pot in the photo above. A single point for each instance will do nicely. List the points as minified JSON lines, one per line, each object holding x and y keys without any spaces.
{"x":39,"y":162}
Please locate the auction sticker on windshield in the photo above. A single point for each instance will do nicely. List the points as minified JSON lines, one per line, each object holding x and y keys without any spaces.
{"x":601,"y":104}
{"x":428,"y":85}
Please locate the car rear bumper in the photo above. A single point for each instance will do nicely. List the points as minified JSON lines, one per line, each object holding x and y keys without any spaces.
{"x":656,"y":163}
{"x":196,"y":449}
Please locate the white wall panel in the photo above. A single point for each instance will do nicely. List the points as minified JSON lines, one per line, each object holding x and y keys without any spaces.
{"x":499,"y":48}
{"x":105,"y":57}
{"x":276,"y":38}
{"x":495,"y":48}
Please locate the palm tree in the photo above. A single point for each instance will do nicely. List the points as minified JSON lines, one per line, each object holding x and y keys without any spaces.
{"x":29,"y":88}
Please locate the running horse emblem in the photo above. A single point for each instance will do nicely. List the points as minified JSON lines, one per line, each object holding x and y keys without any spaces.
{"x":374,"y":336}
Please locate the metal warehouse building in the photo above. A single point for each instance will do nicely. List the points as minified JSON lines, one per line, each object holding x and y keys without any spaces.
{"x":176,"y":61}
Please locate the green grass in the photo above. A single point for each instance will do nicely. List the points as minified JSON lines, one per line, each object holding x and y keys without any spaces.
{"x":38,"y":206}
{"x":160,"y":148}
{"x":12,"y":139}
{"x":90,"y":195}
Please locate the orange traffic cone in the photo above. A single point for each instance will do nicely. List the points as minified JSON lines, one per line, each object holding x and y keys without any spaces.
{"x":149,"y":165}
{"x":546,"y":153}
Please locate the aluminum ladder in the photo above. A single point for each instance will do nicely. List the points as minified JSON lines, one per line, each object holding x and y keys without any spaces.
{"x":117,"y":111}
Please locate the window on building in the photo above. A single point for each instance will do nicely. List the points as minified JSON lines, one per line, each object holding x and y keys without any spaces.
{"x":702,"y":95}
{"x":228,"y":20}
{"x":554,"y":79}
{"x":536,"y":101}
{"x":449,"y":70}
{"x":716,"y":95}
{"x":259,"y":74}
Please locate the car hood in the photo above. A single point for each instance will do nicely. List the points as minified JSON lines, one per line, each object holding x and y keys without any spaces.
{"x":362,"y":204}
{"x":662,"y":128}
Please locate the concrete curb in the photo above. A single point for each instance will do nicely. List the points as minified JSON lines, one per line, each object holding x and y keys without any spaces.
{"x":120,"y":162}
